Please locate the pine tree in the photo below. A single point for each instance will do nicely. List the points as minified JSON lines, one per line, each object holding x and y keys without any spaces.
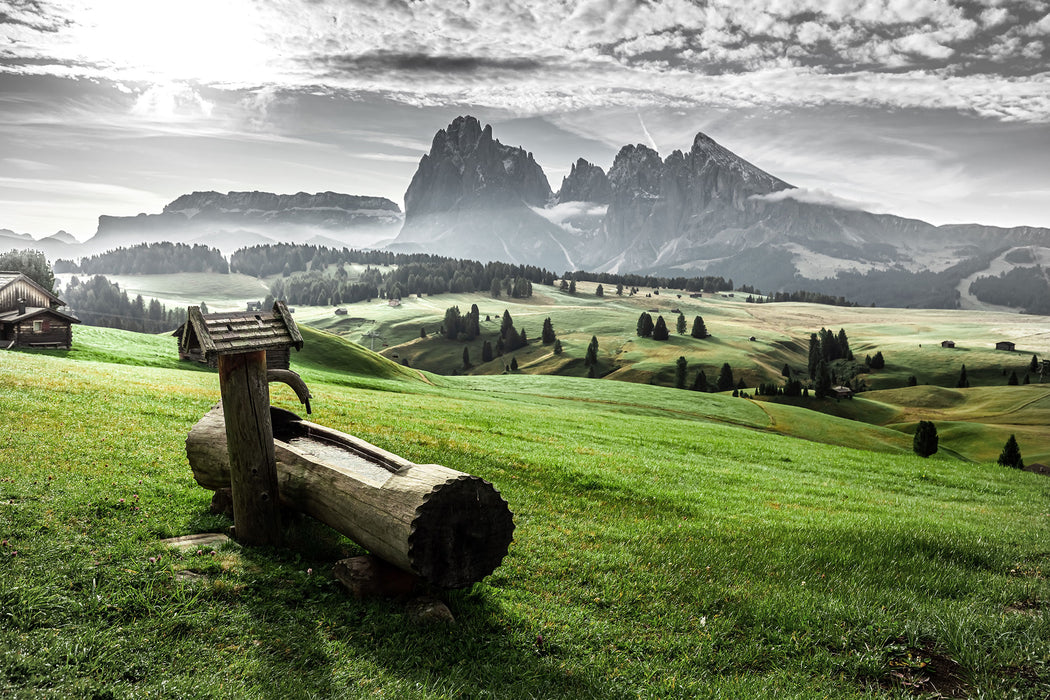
{"x":963,"y":381}
{"x":619,"y":289}
{"x":878,"y":362}
{"x":814,"y":355}
{"x":1012,"y":381}
{"x":823,"y":380}
{"x":422,"y":331}
{"x":466,"y":357}
{"x":660,"y":330}
{"x":514,"y":364}
{"x":680,"y":324}
{"x":645,"y":325}
{"x":725,"y":378}
{"x":786,"y":372}
{"x":547,"y":334}
{"x":1033,"y":366}
{"x":591,"y":358}
{"x":600,"y":291}
{"x":913,"y":380}
{"x":700,"y":383}
{"x":699,"y":329}
{"x":557,"y":347}
{"x":925,"y":441}
{"x":486,"y":351}
{"x":843,"y":343}
{"x":572,"y":287}
{"x":680,"y":368}
{"x":1011,"y":454}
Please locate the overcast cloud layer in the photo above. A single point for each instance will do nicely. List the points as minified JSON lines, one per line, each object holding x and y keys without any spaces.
{"x":235,"y":70}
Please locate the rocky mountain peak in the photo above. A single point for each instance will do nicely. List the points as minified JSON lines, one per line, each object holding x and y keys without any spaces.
{"x":585,"y":182}
{"x":467,"y":168}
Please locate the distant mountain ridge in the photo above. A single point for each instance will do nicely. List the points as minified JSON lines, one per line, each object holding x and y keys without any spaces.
{"x":702,"y":211}
{"x":237,"y":219}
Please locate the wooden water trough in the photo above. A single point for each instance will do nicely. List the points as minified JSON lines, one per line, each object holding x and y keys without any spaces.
{"x":447,"y":527}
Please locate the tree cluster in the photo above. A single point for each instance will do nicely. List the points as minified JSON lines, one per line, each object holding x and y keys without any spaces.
{"x":98,"y":302}
{"x":691,"y":284}
{"x":150,"y":259}
{"x":1024,"y":287}
{"x":462,"y":327}
{"x":31,"y":263}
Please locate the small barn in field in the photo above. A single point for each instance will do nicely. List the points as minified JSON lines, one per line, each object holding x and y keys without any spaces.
{"x":947,"y":343}
{"x":1004,"y":345}
{"x":30,"y":316}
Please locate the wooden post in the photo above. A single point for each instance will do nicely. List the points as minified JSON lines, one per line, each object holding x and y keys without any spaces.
{"x":249,"y":433}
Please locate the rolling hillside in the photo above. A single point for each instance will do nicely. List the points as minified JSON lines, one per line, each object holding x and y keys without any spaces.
{"x":668,"y":543}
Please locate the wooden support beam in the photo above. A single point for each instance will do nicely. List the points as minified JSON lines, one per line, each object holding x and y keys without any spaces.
{"x":249,"y":433}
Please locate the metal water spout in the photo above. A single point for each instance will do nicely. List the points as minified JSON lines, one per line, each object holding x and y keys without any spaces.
{"x":287,"y":376}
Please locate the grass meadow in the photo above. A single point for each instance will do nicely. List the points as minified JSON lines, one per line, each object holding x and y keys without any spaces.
{"x":668,"y":544}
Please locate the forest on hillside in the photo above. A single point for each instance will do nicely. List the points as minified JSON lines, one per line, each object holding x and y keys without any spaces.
{"x":149,"y":259}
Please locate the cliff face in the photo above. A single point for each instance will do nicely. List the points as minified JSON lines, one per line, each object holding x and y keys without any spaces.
{"x":467,"y":169}
{"x":585,"y":183}
{"x":474,"y":197}
{"x":235,"y":219}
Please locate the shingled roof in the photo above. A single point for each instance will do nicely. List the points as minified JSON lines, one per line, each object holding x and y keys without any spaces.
{"x":244,"y":331}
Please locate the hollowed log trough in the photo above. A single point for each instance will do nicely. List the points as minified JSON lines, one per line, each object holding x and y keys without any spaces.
{"x":449,"y":528}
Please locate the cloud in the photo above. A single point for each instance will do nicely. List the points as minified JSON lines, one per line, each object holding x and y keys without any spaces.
{"x":814,"y":196}
{"x":538,"y":58}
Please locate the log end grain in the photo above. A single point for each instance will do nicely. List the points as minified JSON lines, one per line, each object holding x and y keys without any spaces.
{"x":460,"y":533}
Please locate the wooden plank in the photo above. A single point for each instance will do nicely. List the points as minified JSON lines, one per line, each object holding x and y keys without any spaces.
{"x":212,"y":540}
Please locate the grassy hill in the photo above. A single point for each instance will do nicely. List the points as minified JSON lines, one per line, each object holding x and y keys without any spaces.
{"x":668,"y":544}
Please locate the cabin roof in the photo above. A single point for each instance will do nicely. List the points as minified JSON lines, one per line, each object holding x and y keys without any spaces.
{"x":229,"y":333}
{"x":8,"y":277}
{"x":33,"y":311}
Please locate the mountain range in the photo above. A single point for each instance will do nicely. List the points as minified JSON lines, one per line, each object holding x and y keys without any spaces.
{"x":703,"y":211}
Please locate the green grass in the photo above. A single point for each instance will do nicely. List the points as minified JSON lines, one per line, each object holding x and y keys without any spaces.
{"x":668,"y":544}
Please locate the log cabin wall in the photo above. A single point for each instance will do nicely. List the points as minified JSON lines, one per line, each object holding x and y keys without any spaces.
{"x":43,"y":331}
{"x":19,"y":289}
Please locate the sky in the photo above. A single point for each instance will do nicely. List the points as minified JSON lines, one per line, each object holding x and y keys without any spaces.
{"x":933,"y":109}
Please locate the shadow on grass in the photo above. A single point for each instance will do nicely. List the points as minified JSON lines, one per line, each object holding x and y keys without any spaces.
{"x":310,"y":637}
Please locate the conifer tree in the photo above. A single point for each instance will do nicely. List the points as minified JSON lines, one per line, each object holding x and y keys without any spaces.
{"x":600,"y":291}
{"x":572,"y":287}
{"x":486,"y":351}
{"x":925,"y":441}
{"x":725,"y":378}
{"x":1011,"y":454}
{"x":823,"y":379}
{"x":422,"y":331}
{"x":660,"y":330}
{"x":700,"y":383}
{"x":466,"y":357}
{"x":645,"y":325}
{"x":557,"y":347}
{"x":514,"y":364}
{"x":699,"y":329}
{"x":814,"y":355}
{"x":1012,"y":381}
{"x":680,"y":368}
{"x":1033,"y":366}
{"x":963,"y":381}
{"x":547,"y":335}
{"x":786,"y":372}
{"x":680,"y":324}
{"x":591,"y":358}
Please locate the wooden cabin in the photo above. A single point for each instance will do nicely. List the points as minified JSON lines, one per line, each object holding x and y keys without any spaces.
{"x":842,"y":392}
{"x":947,"y":343}
{"x":30,"y":315}
{"x":1004,"y":345}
